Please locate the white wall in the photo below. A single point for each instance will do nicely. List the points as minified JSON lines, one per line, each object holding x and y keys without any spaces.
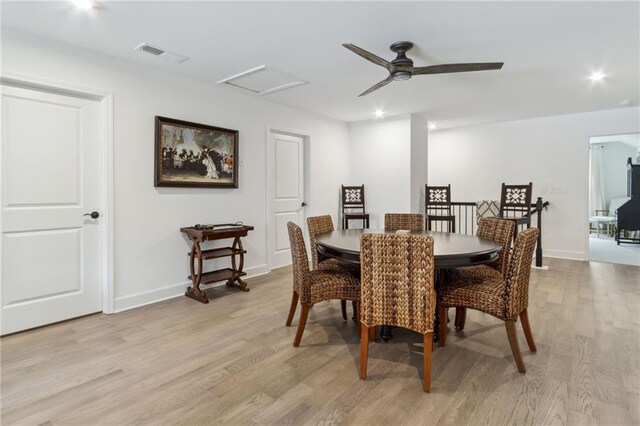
{"x":550,"y":152}
{"x":150,"y":252}
{"x":379,"y":158}
{"x":614,"y":165}
{"x":419,"y":163}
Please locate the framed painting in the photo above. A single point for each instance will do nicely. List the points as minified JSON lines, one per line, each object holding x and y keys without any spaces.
{"x":195,"y":155}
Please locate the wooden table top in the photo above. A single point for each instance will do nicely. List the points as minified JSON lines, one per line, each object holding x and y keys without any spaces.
{"x":450,"y":250}
{"x":220,"y":232}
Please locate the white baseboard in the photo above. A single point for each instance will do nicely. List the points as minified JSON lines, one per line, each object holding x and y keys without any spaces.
{"x":565,"y":254}
{"x":125,"y":303}
{"x":544,"y":268}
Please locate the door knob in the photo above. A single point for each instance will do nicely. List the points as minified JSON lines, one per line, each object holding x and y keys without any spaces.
{"x":303,"y":204}
{"x":94,"y":215}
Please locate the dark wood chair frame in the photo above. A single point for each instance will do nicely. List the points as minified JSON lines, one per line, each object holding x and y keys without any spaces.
{"x":441,"y":209}
{"x":518,"y":211}
{"x":349,"y":205}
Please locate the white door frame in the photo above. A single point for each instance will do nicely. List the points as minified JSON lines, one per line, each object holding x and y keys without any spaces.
{"x":586,"y":206}
{"x":306,"y":137}
{"x":106,"y":182}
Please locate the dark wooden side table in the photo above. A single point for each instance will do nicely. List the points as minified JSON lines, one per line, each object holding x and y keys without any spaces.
{"x":197,"y":255}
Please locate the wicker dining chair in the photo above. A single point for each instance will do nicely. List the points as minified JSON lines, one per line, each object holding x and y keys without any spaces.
{"x":311,"y":287}
{"x":506,"y":299}
{"x":497,"y":230}
{"x":397,"y":289}
{"x":320,"y":225}
{"x":405,"y":221}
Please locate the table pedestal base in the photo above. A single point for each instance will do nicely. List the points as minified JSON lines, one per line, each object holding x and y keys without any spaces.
{"x":385,"y":333}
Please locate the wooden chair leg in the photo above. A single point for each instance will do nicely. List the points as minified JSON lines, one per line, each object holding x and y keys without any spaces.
{"x":515,"y":347}
{"x":526,"y":327}
{"x":372,"y":334}
{"x":461,"y":318}
{"x":292,"y":309}
{"x":428,"y":347}
{"x":343,"y":306}
{"x":356,"y":311}
{"x":364,"y":350}
{"x":443,"y":325}
{"x":304,"y":313}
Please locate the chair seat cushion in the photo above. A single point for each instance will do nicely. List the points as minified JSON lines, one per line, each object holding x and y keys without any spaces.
{"x":475,"y":271}
{"x":333,"y":285}
{"x":337,"y":265}
{"x":481,"y":293}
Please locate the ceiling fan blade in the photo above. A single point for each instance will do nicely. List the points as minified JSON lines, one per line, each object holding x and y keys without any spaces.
{"x":447,"y":68}
{"x":377,"y":86}
{"x":369,"y":56}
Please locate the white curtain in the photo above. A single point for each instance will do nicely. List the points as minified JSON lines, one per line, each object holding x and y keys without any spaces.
{"x":596,"y":180}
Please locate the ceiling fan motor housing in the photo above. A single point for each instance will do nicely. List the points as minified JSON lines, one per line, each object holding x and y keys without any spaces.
{"x":401,"y":59}
{"x":401,"y":48}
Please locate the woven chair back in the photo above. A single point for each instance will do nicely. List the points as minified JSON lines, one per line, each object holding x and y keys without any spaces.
{"x":501,"y":232}
{"x":397,"y":281}
{"x":409,"y":221}
{"x":300,"y":262}
{"x":516,"y":294}
{"x":317,"y":225}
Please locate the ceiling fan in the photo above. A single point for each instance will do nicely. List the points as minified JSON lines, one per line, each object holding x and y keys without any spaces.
{"x":401,"y":68}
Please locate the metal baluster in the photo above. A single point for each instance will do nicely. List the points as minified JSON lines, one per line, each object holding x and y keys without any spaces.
{"x":473,"y":219}
{"x":539,"y":245}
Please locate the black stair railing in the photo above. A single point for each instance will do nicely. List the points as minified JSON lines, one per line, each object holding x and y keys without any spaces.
{"x":465,"y":218}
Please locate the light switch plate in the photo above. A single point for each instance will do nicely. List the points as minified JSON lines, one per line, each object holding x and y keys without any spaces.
{"x":557,"y":189}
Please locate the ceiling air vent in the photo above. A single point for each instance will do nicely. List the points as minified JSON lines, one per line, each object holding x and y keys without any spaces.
{"x":169,"y":56}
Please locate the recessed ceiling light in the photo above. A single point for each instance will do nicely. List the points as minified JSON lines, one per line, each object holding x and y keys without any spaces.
{"x":433,"y":126}
{"x":83,"y":4}
{"x":597,"y":76}
{"x":379,"y":113}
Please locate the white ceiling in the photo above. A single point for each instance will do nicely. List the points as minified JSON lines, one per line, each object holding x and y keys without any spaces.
{"x":549,"y":48}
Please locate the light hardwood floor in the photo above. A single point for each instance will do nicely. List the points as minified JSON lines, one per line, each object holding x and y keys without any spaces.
{"x":232,"y":361}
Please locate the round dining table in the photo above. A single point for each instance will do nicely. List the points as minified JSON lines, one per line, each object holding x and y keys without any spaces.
{"x":450,"y":251}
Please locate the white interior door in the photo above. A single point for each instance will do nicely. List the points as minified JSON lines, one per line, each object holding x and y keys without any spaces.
{"x":287,"y":194}
{"x":51,"y":177}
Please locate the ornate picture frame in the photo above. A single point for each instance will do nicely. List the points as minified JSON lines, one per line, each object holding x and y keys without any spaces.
{"x":195,"y":155}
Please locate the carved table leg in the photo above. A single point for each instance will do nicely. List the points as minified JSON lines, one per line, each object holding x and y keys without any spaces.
{"x":194,"y":291}
{"x":237,"y":282}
